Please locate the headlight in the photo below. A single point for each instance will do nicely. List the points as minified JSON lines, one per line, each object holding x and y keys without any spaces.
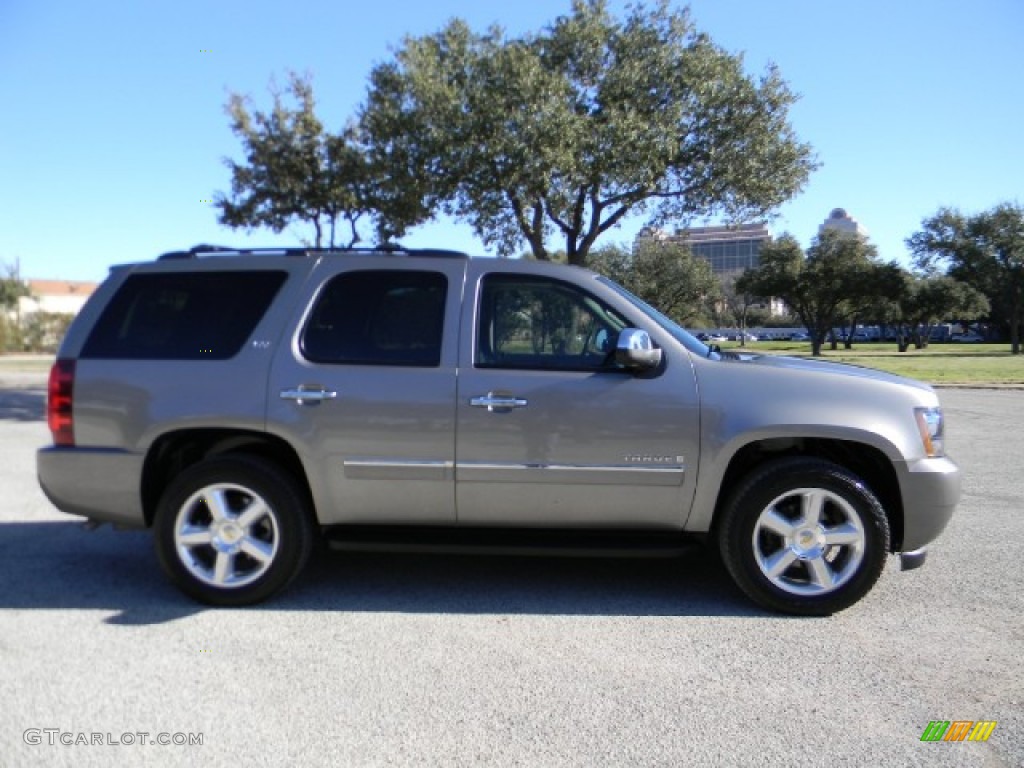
{"x":929,"y":422}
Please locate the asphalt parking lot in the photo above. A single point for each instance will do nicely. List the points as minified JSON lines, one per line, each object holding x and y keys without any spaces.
{"x":456,"y":661}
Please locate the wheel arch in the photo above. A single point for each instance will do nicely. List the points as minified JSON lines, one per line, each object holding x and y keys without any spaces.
{"x":866,"y":461}
{"x":175,"y":451}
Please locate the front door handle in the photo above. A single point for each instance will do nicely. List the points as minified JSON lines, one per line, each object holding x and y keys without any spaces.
{"x":498,"y":403}
{"x":308,"y":396}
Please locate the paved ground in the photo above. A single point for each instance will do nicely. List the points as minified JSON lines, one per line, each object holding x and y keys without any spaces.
{"x":411,"y":660}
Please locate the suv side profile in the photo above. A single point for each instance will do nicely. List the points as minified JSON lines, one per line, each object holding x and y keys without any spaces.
{"x":243,"y":403}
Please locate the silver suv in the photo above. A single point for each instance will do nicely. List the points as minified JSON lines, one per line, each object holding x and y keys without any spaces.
{"x":243,"y":403}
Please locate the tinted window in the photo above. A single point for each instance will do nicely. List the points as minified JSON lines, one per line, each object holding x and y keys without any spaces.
{"x":183,"y":316}
{"x":528,"y":322}
{"x":378,"y":318}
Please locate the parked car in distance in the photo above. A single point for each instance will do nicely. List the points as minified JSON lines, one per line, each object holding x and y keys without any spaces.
{"x":967,"y":338}
{"x":243,"y":404}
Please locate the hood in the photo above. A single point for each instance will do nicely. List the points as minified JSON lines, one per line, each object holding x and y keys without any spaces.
{"x":824,"y":367}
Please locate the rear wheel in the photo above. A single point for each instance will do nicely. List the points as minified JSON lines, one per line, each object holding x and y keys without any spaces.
{"x":233,"y":530}
{"x":804,"y":536}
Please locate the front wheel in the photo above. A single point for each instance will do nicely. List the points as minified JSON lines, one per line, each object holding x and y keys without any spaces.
{"x":232,"y":530}
{"x":804,"y":536}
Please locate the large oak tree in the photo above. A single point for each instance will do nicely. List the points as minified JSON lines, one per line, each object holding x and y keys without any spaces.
{"x":836,"y":277}
{"x":930,"y":299}
{"x":294,"y":170}
{"x":555,"y":137}
{"x":986,"y":251}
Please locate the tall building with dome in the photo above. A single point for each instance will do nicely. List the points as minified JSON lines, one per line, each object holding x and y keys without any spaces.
{"x":840,"y":220}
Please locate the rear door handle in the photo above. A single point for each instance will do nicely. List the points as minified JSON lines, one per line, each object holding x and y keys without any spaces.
{"x":308,"y":396}
{"x":498,"y":403}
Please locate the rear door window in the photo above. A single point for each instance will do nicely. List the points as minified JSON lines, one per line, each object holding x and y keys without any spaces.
{"x":378,"y":317}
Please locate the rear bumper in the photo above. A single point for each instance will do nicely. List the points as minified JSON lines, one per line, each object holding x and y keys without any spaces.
{"x":930,"y":490}
{"x":98,"y":483}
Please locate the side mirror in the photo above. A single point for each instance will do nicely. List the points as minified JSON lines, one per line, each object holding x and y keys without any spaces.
{"x":635,"y":350}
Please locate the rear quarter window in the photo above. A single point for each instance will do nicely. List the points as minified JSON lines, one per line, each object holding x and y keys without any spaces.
{"x":183,"y":316}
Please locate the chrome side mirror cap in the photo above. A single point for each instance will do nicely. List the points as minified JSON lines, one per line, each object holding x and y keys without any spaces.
{"x":635,"y":350}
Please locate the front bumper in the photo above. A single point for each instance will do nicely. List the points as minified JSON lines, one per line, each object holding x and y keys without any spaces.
{"x":98,"y":483}
{"x":911,"y":560}
{"x":930,"y":489}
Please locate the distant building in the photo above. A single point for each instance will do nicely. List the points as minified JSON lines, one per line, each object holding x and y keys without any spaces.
{"x":840,"y":220}
{"x":64,"y":297}
{"x":726,"y":249}
{"x":729,"y":250}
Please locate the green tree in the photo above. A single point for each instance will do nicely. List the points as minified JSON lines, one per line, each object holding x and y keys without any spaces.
{"x":929,"y":300}
{"x":735,"y":307}
{"x":665,"y":275}
{"x":43,"y":331}
{"x":565,"y":132}
{"x":986,"y":251}
{"x":837,"y":276}
{"x":12,"y":288}
{"x":295,"y":171}
{"x":885,"y":311}
{"x":871,"y":288}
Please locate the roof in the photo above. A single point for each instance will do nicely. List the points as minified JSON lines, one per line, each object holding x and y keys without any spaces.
{"x":60,"y":287}
{"x":198,"y":251}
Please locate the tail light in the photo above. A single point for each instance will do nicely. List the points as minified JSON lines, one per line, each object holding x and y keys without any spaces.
{"x":59,"y":413}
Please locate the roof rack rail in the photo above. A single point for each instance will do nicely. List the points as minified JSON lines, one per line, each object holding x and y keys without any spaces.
{"x":388,"y":248}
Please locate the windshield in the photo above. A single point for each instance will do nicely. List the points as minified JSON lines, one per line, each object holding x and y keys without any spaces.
{"x":677,"y":332}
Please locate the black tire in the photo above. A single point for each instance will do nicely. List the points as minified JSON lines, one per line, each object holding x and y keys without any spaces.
{"x":258,"y":531}
{"x":804,"y":536}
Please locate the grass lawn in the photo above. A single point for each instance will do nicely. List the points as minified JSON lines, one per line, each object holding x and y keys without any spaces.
{"x":973,"y":364}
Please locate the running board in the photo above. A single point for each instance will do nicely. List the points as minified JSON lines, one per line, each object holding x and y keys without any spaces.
{"x":505,"y":541}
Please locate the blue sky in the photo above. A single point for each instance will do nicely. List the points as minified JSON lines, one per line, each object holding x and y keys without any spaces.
{"x":112,"y":124}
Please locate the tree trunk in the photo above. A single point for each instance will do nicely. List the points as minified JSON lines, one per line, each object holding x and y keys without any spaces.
{"x":817,"y":339}
{"x":848,"y":342}
{"x":532,"y":228}
{"x":355,"y":233}
{"x":1015,"y":321}
{"x":318,"y":230}
{"x":901,"y":339}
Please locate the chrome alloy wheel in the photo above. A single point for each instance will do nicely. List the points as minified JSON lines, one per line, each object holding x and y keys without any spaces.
{"x":808,"y":541}
{"x":226,"y":535}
